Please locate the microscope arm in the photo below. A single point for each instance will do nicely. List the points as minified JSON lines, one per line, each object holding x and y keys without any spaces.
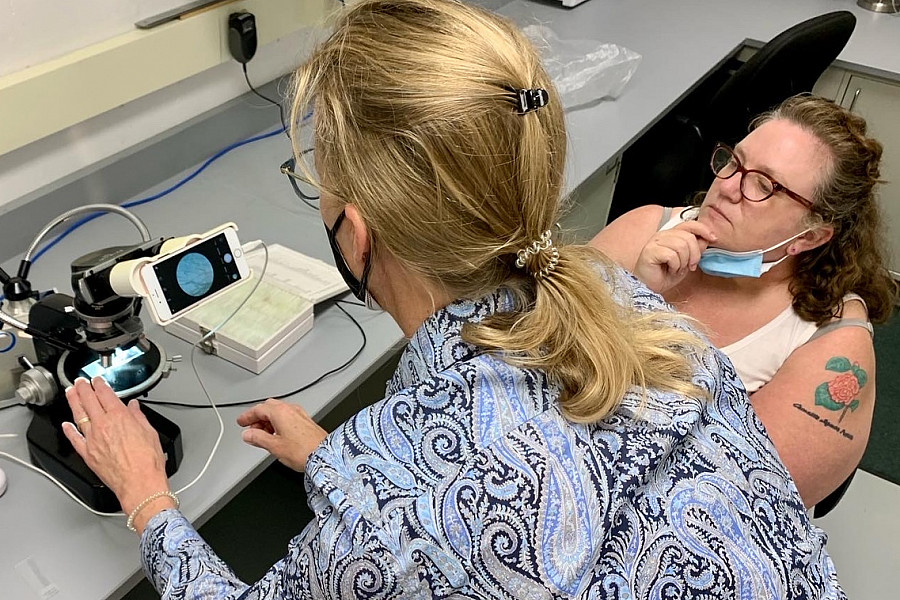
{"x":25,"y":264}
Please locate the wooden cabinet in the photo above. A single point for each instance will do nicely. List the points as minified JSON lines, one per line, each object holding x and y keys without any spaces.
{"x":878,"y":101}
{"x":588,"y":206}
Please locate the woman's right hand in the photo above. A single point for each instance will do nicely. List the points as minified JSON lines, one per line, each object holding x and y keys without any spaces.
{"x":285,"y":430}
{"x":119,"y":445}
{"x":671,"y":254}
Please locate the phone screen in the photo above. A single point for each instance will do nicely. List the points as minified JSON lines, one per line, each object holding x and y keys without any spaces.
{"x":190,"y":276}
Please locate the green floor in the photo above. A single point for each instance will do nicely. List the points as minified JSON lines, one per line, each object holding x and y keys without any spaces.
{"x":882,"y":456}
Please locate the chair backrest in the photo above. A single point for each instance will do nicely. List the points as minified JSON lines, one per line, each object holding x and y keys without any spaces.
{"x":831,"y":500}
{"x":671,"y":161}
{"x":789,"y":64}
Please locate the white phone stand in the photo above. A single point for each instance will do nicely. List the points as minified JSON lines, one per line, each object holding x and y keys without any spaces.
{"x":125,"y":278}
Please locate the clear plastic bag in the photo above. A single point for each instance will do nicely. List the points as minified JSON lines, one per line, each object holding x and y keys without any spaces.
{"x":584,"y":71}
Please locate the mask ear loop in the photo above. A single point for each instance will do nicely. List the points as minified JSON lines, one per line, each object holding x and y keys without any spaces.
{"x":804,"y":232}
{"x":788,"y":253}
{"x":368,"y":298}
{"x":790,"y":239}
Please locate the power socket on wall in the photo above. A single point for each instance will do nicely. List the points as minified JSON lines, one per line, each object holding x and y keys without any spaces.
{"x":100,"y":77}
{"x":242,"y":36}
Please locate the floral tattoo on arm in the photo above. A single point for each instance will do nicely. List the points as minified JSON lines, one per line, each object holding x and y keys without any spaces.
{"x":841,"y":393}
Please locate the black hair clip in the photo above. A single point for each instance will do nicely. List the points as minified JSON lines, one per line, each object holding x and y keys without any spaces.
{"x":529,"y":100}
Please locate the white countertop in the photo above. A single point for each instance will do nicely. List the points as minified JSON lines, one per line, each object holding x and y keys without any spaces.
{"x":681,"y":41}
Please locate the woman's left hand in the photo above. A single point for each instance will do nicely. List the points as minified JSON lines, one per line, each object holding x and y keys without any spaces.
{"x":116,"y":442}
{"x":285,"y":430}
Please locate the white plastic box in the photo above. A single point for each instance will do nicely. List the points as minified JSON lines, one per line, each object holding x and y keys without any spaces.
{"x":278,"y":313}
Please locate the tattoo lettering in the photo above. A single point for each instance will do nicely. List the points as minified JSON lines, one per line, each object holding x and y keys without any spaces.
{"x":841,"y":392}
{"x":824,"y":422}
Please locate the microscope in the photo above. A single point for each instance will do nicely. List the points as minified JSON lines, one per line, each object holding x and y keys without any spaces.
{"x":81,"y":336}
{"x":49,"y":340}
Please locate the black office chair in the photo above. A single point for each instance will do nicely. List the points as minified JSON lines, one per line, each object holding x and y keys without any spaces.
{"x":829,"y":502}
{"x":671,"y":161}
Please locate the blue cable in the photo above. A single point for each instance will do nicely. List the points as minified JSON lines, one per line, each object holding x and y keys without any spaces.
{"x":165,"y":192}
{"x":149,"y":199}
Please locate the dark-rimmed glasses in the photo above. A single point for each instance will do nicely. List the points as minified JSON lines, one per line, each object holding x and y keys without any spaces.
{"x":756,"y":186}
{"x":305,"y":190}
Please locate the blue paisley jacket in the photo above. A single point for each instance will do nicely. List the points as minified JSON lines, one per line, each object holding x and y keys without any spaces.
{"x":467,"y":481}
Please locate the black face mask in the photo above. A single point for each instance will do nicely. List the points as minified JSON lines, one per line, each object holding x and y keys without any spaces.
{"x":358,"y":287}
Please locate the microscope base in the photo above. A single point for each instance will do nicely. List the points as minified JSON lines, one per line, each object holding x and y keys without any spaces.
{"x":51,"y":451}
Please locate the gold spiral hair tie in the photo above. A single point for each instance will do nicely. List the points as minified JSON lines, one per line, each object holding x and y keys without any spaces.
{"x":539,"y":246}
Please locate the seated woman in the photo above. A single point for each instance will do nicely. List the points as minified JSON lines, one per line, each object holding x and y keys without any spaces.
{"x":783,"y":263}
{"x":552,"y":430}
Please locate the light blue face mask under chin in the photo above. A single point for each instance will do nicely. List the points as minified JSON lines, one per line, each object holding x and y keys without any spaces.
{"x":725,"y":263}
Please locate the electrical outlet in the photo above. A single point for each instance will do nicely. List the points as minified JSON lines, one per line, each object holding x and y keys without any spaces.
{"x":103,"y":76}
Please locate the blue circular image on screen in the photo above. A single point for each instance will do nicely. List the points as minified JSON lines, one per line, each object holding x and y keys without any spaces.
{"x":194,"y":274}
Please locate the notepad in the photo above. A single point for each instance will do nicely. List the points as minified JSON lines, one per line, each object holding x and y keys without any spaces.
{"x":279,"y":312}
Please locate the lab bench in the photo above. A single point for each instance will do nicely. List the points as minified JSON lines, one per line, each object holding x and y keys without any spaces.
{"x":52,"y":547}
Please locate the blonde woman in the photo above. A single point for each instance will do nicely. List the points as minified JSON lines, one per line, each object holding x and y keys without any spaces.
{"x":551,"y":431}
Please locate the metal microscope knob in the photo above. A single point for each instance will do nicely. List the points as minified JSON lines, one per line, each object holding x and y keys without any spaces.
{"x":37,"y":386}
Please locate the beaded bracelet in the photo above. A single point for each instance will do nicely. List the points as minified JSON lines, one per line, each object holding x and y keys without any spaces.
{"x":137,"y":509}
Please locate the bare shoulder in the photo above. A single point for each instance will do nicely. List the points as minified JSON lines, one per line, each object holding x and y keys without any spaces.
{"x":853,"y":309}
{"x":845,"y":355}
{"x":854,"y":342}
{"x":818,"y":409}
{"x":623,"y":239}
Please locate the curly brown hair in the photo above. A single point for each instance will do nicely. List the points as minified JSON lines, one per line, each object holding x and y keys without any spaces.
{"x":853,"y":260}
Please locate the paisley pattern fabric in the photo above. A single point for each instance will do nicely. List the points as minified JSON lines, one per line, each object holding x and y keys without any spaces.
{"x":466,"y":481}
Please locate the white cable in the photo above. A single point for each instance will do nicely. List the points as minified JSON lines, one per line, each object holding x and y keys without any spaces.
{"x":215,"y":408}
{"x":56,"y":481}
{"x":202,"y":386}
{"x":199,"y":342}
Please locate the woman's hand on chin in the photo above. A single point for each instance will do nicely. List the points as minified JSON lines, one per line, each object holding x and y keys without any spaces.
{"x":671,"y":254}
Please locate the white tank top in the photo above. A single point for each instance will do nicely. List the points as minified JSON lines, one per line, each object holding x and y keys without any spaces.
{"x":759,"y":355}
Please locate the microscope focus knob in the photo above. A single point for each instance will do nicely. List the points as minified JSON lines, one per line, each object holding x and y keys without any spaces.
{"x":37,"y":386}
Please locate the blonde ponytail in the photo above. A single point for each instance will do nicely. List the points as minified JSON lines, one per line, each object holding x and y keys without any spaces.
{"x":596,"y":348}
{"x":417,"y":126}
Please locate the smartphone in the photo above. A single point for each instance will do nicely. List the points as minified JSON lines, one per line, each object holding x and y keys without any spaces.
{"x":182,"y":280}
